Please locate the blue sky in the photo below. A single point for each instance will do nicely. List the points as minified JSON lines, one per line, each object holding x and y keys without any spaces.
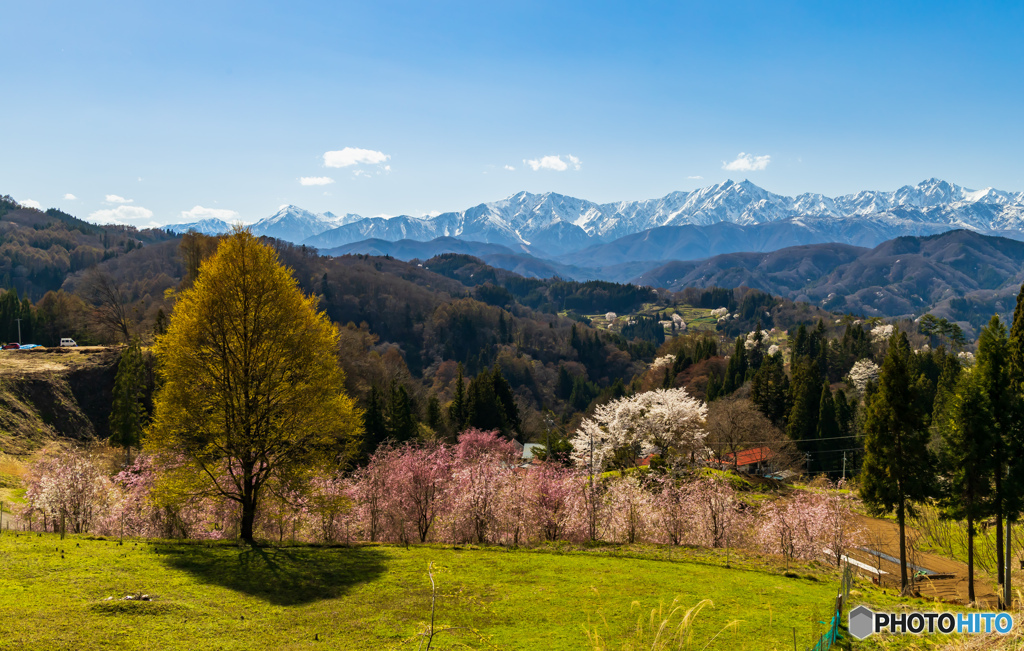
{"x":166,"y":112}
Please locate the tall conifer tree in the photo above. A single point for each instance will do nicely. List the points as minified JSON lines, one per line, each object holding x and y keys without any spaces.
{"x":966,"y":459}
{"x":897,"y":467}
{"x":127,"y":416}
{"x":993,"y":370}
{"x":457,"y":413}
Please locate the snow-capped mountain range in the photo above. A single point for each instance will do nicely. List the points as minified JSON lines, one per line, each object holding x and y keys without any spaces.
{"x":289,"y":223}
{"x":554,"y":225}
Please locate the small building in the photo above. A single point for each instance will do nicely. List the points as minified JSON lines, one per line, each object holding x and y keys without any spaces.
{"x":754,"y":460}
{"x":529,"y":449}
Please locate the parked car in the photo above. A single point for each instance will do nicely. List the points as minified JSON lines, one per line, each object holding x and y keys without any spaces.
{"x":12,"y":346}
{"x":67,"y":341}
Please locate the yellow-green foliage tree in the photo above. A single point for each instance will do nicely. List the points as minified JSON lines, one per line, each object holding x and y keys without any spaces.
{"x":252,"y":389}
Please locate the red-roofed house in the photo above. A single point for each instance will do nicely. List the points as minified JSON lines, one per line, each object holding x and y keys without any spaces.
{"x":752,"y":460}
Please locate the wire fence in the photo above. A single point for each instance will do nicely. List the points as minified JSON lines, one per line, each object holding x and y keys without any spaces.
{"x":826,"y":641}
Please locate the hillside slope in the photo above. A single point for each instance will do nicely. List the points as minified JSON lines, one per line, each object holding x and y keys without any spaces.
{"x":960,"y":275}
{"x":46,"y":394}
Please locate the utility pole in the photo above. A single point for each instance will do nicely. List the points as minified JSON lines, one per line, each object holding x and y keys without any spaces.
{"x":19,"y":331}
{"x":807,"y":463}
{"x":844,"y":466}
{"x":547,"y":445}
{"x":593,"y":507}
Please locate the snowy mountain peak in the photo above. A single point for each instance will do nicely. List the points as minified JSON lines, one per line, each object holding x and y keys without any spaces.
{"x":552,"y":223}
{"x":203,"y":226}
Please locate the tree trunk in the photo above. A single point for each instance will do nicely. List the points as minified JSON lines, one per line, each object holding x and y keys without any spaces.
{"x":248,"y":508}
{"x":903,"y":547}
{"x":970,"y":559}
{"x":248,"y":516}
{"x":999,"y":545}
{"x":999,"y":510}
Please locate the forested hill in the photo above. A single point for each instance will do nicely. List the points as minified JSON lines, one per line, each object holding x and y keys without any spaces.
{"x":531,"y":352}
{"x":38,"y":249}
{"x":959,"y":275}
{"x":406,"y":329}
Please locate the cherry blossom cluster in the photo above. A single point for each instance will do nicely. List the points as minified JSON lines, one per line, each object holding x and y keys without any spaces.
{"x":473,"y":492}
{"x":670,"y":419}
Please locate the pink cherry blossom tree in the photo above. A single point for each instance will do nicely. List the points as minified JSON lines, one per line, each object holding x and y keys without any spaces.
{"x":629,"y":510}
{"x":417,"y":478}
{"x":481,"y":466}
{"x":68,"y":488}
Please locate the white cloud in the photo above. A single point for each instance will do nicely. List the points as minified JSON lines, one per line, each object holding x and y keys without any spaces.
{"x":553,"y":163}
{"x":30,"y":203}
{"x":510,"y":168}
{"x":695,"y":178}
{"x":747,"y":163}
{"x":69,"y":197}
{"x":354,"y":156}
{"x":124,"y":215}
{"x":387,"y":168}
{"x":113,"y":198}
{"x":316,"y":180}
{"x":359,"y":173}
{"x":198,"y":213}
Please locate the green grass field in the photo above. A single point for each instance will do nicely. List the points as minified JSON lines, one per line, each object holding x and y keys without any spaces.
{"x":220,"y":596}
{"x":696,"y":318}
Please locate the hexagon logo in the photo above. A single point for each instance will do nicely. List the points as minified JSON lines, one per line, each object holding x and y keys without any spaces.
{"x":862,"y":622}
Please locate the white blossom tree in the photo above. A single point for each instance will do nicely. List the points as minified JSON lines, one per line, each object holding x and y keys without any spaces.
{"x":671,"y":419}
{"x":863,"y":371}
{"x":660,"y":362}
{"x":881,"y":333}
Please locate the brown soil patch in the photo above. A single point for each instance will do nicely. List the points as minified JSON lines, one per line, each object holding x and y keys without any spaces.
{"x":884,"y":536}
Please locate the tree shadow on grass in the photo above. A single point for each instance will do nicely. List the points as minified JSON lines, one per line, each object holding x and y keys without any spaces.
{"x":283,"y":576}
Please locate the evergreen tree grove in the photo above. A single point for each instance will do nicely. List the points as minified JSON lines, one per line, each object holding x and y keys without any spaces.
{"x":897,"y":468}
{"x":994,"y":374}
{"x":127,"y":415}
{"x":966,"y":459}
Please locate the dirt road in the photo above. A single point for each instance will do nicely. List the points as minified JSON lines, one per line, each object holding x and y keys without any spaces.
{"x":951,"y":582}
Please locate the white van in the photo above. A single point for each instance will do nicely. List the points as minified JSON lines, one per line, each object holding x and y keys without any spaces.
{"x":67,"y":341}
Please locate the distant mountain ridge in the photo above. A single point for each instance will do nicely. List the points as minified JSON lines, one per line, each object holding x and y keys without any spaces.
{"x":961,"y":275}
{"x":289,"y":223}
{"x":740,"y":216}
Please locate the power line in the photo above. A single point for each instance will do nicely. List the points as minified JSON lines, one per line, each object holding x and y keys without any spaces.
{"x":827,"y":438}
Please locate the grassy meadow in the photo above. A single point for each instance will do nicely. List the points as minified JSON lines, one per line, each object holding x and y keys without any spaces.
{"x":53,"y":595}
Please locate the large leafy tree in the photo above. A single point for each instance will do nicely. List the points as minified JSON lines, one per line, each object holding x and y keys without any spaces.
{"x":897,"y":467}
{"x":252,"y":389}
